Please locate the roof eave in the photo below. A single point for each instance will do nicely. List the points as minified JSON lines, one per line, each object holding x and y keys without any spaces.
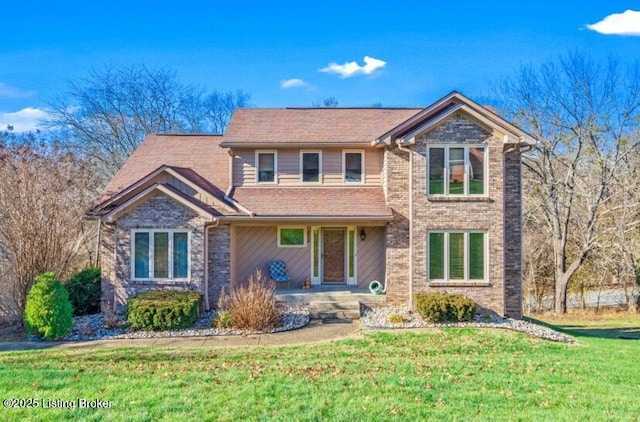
{"x":241,"y":144}
{"x":314,"y":218}
{"x":113,"y":214}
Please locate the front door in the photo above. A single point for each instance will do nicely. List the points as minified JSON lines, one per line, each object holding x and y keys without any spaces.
{"x":333,"y":255}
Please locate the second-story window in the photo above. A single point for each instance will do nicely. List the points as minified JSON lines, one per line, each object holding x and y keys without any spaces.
{"x":353,"y":165}
{"x":311,"y":166}
{"x":457,"y":170}
{"x":266,"y":166}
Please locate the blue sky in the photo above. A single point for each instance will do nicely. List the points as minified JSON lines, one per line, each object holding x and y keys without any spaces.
{"x":287,"y":53}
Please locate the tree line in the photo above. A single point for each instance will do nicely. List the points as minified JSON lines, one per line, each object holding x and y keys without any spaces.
{"x":581,"y":199}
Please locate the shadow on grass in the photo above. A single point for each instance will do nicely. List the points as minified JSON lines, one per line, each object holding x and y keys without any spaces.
{"x":576,"y":330}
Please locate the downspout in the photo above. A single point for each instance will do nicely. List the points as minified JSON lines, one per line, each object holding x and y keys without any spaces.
{"x":410,"y":152}
{"x":206,"y":262}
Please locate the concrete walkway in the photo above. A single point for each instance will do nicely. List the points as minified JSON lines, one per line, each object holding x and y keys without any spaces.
{"x":315,"y":332}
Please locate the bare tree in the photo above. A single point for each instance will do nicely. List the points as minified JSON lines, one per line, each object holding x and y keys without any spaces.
{"x":326,"y":102}
{"x":585,"y":113}
{"x":106,"y":115}
{"x":44,"y":191}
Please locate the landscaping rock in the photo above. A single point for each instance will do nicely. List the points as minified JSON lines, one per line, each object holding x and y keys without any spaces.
{"x":380,"y":318}
{"x":91,"y":327}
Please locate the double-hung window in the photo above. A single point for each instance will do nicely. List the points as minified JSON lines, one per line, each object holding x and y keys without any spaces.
{"x":160,"y":254}
{"x":311,"y":166}
{"x":457,"y":170}
{"x":457,"y":256}
{"x":266,"y":166}
{"x":353,"y":166}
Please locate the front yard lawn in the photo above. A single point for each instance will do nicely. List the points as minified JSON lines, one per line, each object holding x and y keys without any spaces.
{"x":446,"y":374}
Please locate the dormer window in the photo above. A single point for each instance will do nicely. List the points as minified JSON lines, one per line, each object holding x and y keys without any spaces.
{"x":353,"y":166}
{"x":266,"y":166}
{"x":311,"y":166}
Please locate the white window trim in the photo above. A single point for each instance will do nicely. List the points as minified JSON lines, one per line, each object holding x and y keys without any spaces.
{"x":466,"y":147}
{"x":275,"y":166}
{"x":466,"y":257}
{"x":151,"y":260}
{"x":311,"y":151}
{"x":344,"y":166}
{"x":304,"y":237}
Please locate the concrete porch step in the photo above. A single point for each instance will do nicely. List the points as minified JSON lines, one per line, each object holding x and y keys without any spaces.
{"x":319,"y":309}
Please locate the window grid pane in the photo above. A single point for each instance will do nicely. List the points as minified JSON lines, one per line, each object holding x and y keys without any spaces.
{"x":266,"y":167}
{"x":476,"y":256}
{"x":436,"y":256}
{"x":353,"y":167}
{"x":310,"y":167}
{"x":180,"y":255}
{"x":456,"y":256}
{"x":141,"y":258}
{"x":456,"y":171}
{"x":161,"y":255}
{"x":476,"y":171}
{"x":436,"y":171}
{"x":292,"y":237}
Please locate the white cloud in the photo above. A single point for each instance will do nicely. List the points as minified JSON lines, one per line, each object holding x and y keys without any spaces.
{"x":25,"y":120}
{"x":7,"y":91}
{"x":627,"y":23}
{"x":292,"y":83}
{"x":350,"y":69}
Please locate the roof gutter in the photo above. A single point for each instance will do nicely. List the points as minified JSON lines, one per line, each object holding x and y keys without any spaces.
{"x":358,"y":144}
{"x":272,"y":218}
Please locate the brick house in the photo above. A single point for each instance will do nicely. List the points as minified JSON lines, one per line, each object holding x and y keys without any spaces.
{"x":418,"y":199}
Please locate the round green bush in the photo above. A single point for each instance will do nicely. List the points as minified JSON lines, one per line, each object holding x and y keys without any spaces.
{"x":444,"y":307}
{"x":85,"y":291}
{"x":163,"y":309}
{"x":48,"y":312}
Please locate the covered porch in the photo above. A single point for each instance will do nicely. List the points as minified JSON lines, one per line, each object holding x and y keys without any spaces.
{"x":333,"y":256}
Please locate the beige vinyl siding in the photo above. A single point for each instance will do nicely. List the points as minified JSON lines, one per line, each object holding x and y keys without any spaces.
{"x":371,"y":256}
{"x":244,"y":172}
{"x":244,"y":167}
{"x":257,"y":246}
{"x":187,"y":189}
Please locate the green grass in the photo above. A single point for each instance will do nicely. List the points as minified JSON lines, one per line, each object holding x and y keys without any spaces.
{"x":448,"y":374}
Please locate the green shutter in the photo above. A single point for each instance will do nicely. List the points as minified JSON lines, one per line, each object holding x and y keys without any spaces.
{"x":456,"y":256}
{"x":436,"y":256}
{"x":476,"y":256}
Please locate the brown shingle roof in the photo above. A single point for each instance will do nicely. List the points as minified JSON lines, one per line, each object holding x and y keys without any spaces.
{"x":314,"y":202}
{"x":313,"y":125}
{"x":201,"y":154}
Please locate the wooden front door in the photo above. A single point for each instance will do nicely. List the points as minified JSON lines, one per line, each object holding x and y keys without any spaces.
{"x":333,"y":254}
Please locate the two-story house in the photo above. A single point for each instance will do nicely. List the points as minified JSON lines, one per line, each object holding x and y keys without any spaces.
{"x":417,"y":199}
